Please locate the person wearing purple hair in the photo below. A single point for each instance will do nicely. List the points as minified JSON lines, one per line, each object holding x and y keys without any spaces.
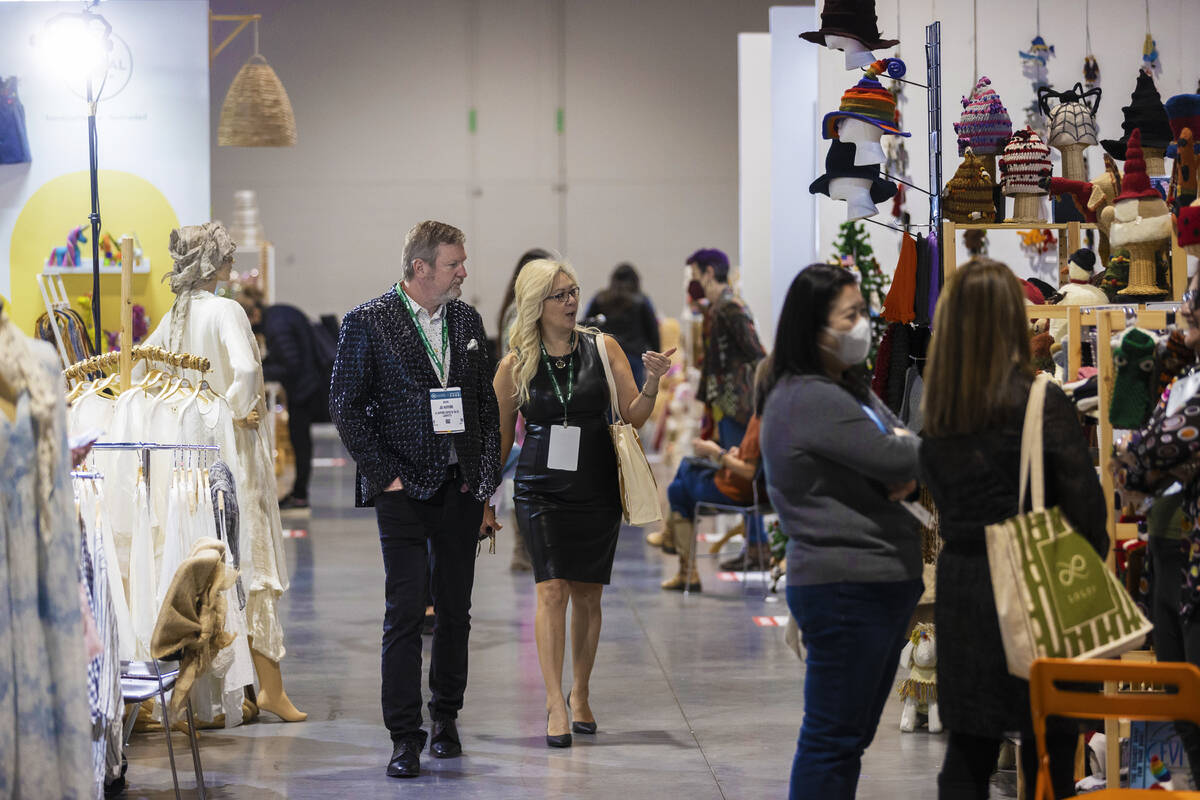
{"x":730,"y":353}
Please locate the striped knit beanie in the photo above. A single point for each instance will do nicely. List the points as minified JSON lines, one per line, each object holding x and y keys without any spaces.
{"x":1025,"y":161}
{"x":985,"y":125}
{"x":969,"y":192}
{"x":868,"y":101}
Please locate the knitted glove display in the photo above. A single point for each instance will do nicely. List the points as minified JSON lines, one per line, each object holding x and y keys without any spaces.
{"x":1132,"y":399}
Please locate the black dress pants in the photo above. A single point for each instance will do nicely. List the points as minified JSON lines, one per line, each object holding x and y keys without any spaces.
{"x":427,"y":544}
{"x":301,"y":417}
{"x":1174,"y":639}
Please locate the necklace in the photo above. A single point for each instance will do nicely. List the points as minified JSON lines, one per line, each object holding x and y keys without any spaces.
{"x":561,"y":361}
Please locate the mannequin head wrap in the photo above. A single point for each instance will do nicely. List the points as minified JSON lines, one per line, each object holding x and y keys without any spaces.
{"x":198,"y":252}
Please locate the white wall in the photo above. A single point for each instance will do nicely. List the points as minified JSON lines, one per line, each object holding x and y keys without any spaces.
{"x":754,"y":179}
{"x":382,"y":90}
{"x":1118,"y":28}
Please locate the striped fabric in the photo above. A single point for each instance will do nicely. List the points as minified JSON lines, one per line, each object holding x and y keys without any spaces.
{"x":1025,"y":162}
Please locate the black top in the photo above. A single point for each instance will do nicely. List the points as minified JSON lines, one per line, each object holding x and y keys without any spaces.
{"x":595,"y":482}
{"x":974,"y":482}
{"x":630,"y":320}
{"x":379,"y":400}
{"x":291,"y":356}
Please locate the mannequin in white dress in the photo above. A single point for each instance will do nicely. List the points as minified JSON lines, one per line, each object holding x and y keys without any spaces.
{"x":216,"y":328}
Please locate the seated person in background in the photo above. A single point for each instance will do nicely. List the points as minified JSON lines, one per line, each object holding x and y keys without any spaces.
{"x":628,"y":317}
{"x":715,"y":475}
{"x":292,"y":358}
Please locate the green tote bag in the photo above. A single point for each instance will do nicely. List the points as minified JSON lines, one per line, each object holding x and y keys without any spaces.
{"x":1055,"y":597}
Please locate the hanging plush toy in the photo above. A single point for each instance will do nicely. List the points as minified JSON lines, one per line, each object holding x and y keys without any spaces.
{"x":1091,"y":72}
{"x":919,"y":689}
{"x":1033,"y":67}
{"x":1151,"y":63}
{"x":1131,"y":400}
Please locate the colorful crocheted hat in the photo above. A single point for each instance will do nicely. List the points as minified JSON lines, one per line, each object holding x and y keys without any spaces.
{"x":1025,"y":161}
{"x":854,"y":19}
{"x":1187,"y":225}
{"x":868,"y":101}
{"x":969,"y":192}
{"x":1145,"y":112}
{"x":984,"y":125}
{"x":1183,"y":111}
{"x":1135,"y":183}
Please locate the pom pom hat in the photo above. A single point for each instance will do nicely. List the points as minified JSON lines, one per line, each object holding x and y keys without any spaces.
{"x":1025,"y":162}
{"x":985,"y":126}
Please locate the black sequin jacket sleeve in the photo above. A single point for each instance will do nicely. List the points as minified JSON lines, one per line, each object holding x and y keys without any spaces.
{"x":379,"y":401}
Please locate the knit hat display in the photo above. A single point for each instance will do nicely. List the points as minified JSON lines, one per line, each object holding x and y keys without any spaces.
{"x":1146,"y":112}
{"x":1081,"y":264}
{"x":1073,"y":119}
{"x":839,"y":163}
{"x":969,"y":193}
{"x":854,"y":19}
{"x":1116,"y":276}
{"x":1135,"y":183}
{"x":1187,"y":225}
{"x":1183,"y":111}
{"x":1025,"y":162}
{"x":984,"y":126}
{"x":1132,"y":399}
{"x":869,"y":102}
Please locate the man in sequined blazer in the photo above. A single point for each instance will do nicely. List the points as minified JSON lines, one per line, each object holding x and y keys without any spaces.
{"x":412,"y":398}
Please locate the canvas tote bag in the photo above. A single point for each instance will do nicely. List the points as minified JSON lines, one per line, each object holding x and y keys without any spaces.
{"x":639,"y":492}
{"x":1055,"y":597}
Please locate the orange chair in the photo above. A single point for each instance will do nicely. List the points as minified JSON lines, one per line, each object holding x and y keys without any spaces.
{"x":1047,"y":699}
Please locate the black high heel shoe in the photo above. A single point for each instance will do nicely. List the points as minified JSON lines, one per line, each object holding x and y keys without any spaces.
{"x":582,"y":727}
{"x":562,"y":740}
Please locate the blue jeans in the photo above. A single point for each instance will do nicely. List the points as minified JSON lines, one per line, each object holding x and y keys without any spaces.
{"x":854,"y":633}
{"x":693,"y":484}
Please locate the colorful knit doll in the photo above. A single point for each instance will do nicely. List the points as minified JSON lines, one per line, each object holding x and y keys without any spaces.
{"x":1132,"y":399}
{"x":919,"y":689}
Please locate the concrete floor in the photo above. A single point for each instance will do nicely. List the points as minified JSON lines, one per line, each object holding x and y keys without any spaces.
{"x":694,"y":699}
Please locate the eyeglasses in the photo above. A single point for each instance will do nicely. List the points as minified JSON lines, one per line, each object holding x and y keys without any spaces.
{"x":562,"y":297}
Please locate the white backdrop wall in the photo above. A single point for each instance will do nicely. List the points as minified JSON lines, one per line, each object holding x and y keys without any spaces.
{"x":1118,"y":28}
{"x":382,"y":90}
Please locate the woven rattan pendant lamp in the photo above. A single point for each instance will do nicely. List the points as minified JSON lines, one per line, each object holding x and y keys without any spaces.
{"x":256,"y":111}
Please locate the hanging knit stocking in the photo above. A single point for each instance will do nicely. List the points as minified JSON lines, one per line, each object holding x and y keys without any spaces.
{"x":1131,"y":400}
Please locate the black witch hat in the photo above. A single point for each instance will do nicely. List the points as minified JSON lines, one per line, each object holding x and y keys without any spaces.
{"x":1146,"y":113}
{"x":852,"y":18}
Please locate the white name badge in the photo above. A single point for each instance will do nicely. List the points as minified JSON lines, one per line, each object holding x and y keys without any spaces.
{"x":564,"y":448}
{"x":446,"y":407}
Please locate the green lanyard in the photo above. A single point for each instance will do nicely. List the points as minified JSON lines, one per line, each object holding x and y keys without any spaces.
{"x":441,"y":369}
{"x":554,"y":381}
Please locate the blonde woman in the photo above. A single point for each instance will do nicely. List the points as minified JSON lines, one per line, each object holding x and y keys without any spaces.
{"x":567,"y":498}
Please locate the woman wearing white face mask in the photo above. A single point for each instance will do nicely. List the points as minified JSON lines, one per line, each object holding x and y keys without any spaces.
{"x":837,"y":462}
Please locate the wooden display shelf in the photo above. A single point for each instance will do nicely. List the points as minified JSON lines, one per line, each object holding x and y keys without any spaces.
{"x":1019,"y":226}
{"x":949,"y":248}
{"x":84,"y":267}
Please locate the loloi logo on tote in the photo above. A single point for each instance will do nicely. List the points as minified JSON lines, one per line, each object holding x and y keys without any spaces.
{"x":1076,"y":597}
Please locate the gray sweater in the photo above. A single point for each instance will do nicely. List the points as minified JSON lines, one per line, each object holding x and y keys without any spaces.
{"x":828,"y":465}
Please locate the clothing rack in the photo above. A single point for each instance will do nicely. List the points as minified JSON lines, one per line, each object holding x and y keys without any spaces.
{"x":80,"y":370}
{"x":54,"y":298}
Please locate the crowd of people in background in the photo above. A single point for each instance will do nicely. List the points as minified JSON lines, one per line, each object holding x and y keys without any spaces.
{"x":796,"y":430}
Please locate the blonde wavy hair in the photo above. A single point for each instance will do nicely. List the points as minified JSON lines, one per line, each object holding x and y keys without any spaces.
{"x":534,"y":285}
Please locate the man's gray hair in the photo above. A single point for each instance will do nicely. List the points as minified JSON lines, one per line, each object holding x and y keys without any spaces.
{"x":423,"y":240}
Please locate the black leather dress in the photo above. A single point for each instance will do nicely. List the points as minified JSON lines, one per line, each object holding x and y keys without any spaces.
{"x":571,"y":520}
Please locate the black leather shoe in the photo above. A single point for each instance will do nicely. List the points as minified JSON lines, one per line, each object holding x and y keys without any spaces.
{"x":583,"y":727}
{"x":406,"y":761}
{"x":444,"y":741}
